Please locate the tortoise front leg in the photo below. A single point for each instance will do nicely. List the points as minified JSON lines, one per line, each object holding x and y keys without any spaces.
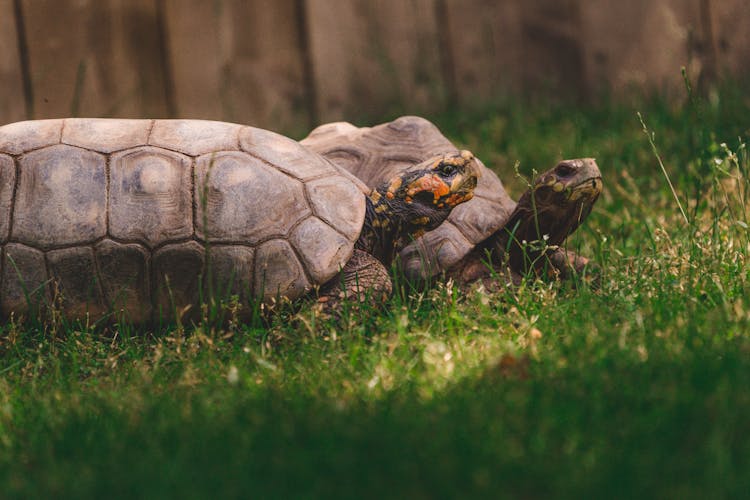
{"x":363,"y":279}
{"x":482,"y":265}
{"x":565,"y":264}
{"x":491,"y":265}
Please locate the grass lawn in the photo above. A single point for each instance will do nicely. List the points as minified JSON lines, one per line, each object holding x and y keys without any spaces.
{"x":638,"y":388}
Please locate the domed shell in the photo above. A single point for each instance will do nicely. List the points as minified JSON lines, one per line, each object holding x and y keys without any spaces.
{"x":378,"y":153}
{"x":146,"y":217}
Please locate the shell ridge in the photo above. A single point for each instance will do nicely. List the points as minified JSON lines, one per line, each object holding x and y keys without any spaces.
{"x":62,"y":130}
{"x":14,"y":191}
{"x":150,"y":130}
{"x":107,"y":182}
{"x":193,"y":202}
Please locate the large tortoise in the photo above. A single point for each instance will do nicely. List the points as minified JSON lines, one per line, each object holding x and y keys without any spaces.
{"x":491,"y":235}
{"x":146,"y":217}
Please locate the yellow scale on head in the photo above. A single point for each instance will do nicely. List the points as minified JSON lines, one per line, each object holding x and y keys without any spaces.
{"x":393,"y":187}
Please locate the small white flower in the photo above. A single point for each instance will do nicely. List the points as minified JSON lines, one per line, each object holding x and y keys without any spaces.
{"x":233,"y":375}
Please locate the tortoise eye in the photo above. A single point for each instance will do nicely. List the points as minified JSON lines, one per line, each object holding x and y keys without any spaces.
{"x":565,"y":169}
{"x":446,"y":168}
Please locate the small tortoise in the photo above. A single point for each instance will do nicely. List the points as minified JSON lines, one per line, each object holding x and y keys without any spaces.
{"x":491,"y":228}
{"x":145,"y":216}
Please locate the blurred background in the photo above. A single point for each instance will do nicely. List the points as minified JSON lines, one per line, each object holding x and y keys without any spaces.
{"x":289,"y":65}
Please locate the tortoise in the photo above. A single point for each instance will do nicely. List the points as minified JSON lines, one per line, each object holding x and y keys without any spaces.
{"x":148,"y":216}
{"x":491,"y":228}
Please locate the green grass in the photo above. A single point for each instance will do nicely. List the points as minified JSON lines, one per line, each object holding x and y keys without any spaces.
{"x":640,"y":388}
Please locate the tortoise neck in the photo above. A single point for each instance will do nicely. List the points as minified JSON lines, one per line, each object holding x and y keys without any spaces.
{"x":526,"y":235}
{"x":383,"y":223}
{"x":509,"y":241}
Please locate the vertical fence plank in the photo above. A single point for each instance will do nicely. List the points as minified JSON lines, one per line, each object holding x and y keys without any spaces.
{"x":730,"y":23}
{"x":375,"y":57}
{"x":94,"y":58}
{"x":11,"y":81}
{"x":486,"y":49}
{"x":553,"y":62}
{"x":193,"y":47}
{"x":642,"y":43}
{"x":238,"y":60}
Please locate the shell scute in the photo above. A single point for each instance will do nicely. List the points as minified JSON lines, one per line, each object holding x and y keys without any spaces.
{"x":105,"y":135}
{"x":17,"y":138}
{"x":179,"y":268}
{"x":74,"y":278}
{"x":245,"y":199}
{"x":125,"y":279}
{"x":278,"y":271}
{"x":231,"y":271}
{"x":284,"y":153}
{"x":150,"y":196}
{"x":477,"y":221}
{"x":23,"y":286}
{"x":61,"y":198}
{"x":435,"y":251}
{"x":194,"y":137}
{"x":338,"y":203}
{"x":323,"y":250}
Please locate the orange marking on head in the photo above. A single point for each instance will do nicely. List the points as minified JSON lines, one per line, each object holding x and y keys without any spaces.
{"x":389,"y":195}
{"x":431,"y":183}
{"x":456,"y":199}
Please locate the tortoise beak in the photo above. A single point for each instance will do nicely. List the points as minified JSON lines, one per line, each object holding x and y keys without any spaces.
{"x":465,"y":181}
{"x":575,"y":179}
{"x":585,"y":181}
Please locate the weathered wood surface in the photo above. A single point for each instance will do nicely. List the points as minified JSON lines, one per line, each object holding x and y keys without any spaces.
{"x":290,"y":64}
{"x":670,"y":35}
{"x":485,"y":51}
{"x":11,"y":79}
{"x":94,"y":58}
{"x":237,"y":60}
{"x":371,"y":56}
{"x":730,"y":26}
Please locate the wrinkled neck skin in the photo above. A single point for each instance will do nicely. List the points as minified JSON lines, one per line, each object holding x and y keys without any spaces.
{"x":521,"y":242}
{"x":391,"y":224}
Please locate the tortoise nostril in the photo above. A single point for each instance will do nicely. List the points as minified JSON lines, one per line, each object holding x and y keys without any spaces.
{"x":565,"y":169}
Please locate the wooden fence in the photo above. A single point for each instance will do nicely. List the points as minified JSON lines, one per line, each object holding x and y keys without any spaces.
{"x":289,"y":64}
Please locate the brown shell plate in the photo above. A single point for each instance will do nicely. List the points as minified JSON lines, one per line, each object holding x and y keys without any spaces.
{"x":377,"y":154}
{"x":139,"y":218}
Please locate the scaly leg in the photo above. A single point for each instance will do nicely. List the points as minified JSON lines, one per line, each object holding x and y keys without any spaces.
{"x":363,"y":278}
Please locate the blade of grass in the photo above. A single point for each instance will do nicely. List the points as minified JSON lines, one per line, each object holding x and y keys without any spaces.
{"x":650,"y":136}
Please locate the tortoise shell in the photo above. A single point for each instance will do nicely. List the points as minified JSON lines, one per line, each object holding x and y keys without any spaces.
{"x":145,"y":216}
{"x":378,"y":153}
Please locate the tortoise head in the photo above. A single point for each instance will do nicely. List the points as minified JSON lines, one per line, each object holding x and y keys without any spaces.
{"x":417,"y":200}
{"x":424,"y":196}
{"x":561,"y":198}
